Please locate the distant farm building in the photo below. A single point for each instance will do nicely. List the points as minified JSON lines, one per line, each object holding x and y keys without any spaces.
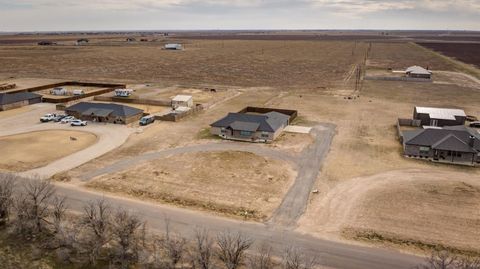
{"x":82,"y":41}
{"x":451,"y":144}
{"x":15,"y":100}
{"x":173,"y":46}
{"x":131,"y":39}
{"x":46,"y":43}
{"x":431,"y":116}
{"x":254,"y":127}
{"x":182,"y":101}
{"x":418,"y":72}
{"x":101,"y":112}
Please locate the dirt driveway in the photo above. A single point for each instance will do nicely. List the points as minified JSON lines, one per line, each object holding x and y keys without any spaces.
{"x":109,"y":136}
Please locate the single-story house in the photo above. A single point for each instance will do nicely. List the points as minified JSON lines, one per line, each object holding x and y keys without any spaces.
{"x":451,"y":144}
{"x":418,"y":72}
{"x":131,"y":39}
{"x":14,"y":100}
{"x":432,"y":116}
{"x":251,"y":127}
{"x":103,"y":112}
{"x":173,"y":46}
{"x":182,"y":100}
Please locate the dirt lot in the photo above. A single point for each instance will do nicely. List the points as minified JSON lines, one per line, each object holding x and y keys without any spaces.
{"x":200,"y":96}
{"x":236,"y":62}
{"x":35,"y":149}
{"x":70,"y":90}
{"x":23,"y":83}
{"x":417,"y":208}
{"x":220,"y":186}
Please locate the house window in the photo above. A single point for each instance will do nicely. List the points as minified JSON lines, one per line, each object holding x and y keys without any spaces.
{"x":245,"y":133}
{"x":223,"y":130}
{"x":424,"y":149}
{"x":265,"y":135}
{"x":459,"y":154}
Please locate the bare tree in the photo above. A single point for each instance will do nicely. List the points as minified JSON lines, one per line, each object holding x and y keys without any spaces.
{"x":202,"y":249}
{"x":127,"y":230}
{"x":293,"y":258}
{"x":174,"y":246}
{"x":32,"y":206}
{"x":440,"y":260}
{"x":97,"y":220}
{"x":468,"y":263}
{"x":59,"y":209}
{"x":232,"y":248}
{"x":7,"y":183}
{"x":447,"y":260}
{"x":263,"y":258}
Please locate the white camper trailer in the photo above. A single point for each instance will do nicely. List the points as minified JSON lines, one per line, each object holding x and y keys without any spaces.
{"x":58,"y":91}
{"x":123,"y":92}
{"x":78,"y":92}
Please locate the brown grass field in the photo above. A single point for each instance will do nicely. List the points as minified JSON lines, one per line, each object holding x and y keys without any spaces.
{"x":235,"y":63}
{"x":365,"y":185}
{"x":187,"y":180}
{"x":26,"y":151}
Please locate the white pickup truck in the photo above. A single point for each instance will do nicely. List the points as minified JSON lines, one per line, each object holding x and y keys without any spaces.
{"x":47,"y":117}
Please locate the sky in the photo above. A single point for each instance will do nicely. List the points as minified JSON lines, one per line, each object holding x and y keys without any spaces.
{"x":95,"y":15}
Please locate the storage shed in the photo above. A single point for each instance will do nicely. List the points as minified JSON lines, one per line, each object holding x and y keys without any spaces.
{"x":182,"y":100}
{"x":15,"y":100}
{"x":173,"y":46}
{"x":432,"y":116}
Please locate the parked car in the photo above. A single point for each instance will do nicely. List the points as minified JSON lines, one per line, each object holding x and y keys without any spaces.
{"x":59,"y":118}
{"x":78,"y":123}
{"x":475,"y":124}
{"x":67,"y":119}
{"x":147,"y":120}
{"x":47,"y":117}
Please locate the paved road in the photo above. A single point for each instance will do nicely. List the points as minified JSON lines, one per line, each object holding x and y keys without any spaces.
{"x":295,"y":201}
{"x":331,"y":254}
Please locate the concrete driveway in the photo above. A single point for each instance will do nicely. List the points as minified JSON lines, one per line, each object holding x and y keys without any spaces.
{"x":109,"y":137}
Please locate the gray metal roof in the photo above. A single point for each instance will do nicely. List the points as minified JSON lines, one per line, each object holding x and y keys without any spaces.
{"x":418,"y":70}
{"x":97,"y":112}
{"x":117,"y":110}
{"x":10,"y":98}
{"x":452,"y":143}
{"x":441,"y":113}
{"x":455,"y":138}
{"x":269,"y":122}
